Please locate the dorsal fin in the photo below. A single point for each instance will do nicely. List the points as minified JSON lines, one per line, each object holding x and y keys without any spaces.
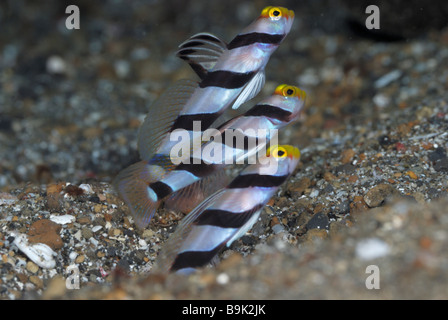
{"x":251,"y":89}
{"x":161,"y":116}
{"x":202,"y":51}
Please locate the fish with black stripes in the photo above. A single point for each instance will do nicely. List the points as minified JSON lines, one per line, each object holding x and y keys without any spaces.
{"x":227,"y":214}
{"x":230,"y":74}
{"x":188,"y":182}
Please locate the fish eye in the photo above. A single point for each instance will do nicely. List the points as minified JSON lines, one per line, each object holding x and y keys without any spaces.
{"x":289,"y":92}
{"x":275,"y":13}
{"x":279,"y":153}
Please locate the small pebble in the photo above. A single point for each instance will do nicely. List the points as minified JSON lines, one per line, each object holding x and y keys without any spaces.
{"x":56,"y":65}
{"x":278,"y":228}
{"x":62,"y":219}
{"x":143,"y":244}
{"x":376,"y":196}
{"x":47,"y":232}
{"x":328,"y":176}
{"x":97,"y":208}
{"x":387,"y":78}
{"x":87,"y":188}
{"x":318,"y":221}
{"x":300,"y":186}
{"x":371,"y":248}
{"x":412,"y":175}
{"x":347,"y":155}
{"x":358,"y":205}
{"x":148,"y":233}
{"x":37,"y":281}
{"x":315,"y":235}
{"x":32,"y":267}
{"x":314,"y":193}
{"x":86,"y":233}
{"x":93,"y":241}
{"x":73,"y":255}
{"x":222,"y":278}
{"x":80,"y":259}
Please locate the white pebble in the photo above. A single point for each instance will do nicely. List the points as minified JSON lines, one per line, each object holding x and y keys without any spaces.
{"x":78,"y":235}
{"x":72,"y":255}
{"x":63,"y":219}
{"x":96,"y":228}
{"x":371,"y":248}
{"x":122,"y":68}
{"x":56,"y":64}
{"x":314,"y":193}
{"x":93,"y":241}
{"x":278,"y":228}
{"x":39,"y":253}
{"x":143,"y":244}
{"x":381,"y":100}
{"x":387,"y":78}
{"x":222,"y":278}
{"x":86,"y":187}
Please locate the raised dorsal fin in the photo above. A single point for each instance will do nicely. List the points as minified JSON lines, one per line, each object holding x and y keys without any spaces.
{"x":202,"y":51}
{"x":161,"y":116}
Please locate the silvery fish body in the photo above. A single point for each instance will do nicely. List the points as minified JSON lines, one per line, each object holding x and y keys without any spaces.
{"x":187,"y":183}
{"x":228,"y":214}
{"x":230,"y":74}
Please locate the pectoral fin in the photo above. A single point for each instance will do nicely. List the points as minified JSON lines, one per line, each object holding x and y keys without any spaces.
{"x":251,"y":89}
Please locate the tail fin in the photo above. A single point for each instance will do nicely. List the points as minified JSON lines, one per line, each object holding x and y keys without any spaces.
{"x":132,"y":185}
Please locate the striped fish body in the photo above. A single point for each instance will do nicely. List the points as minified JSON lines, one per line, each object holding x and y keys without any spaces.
{"x":246,"y":135}
{"x":271,"y":114}
{"x":228,"y":214}
{"x":233,"y":74}
{"x":201,"y":176}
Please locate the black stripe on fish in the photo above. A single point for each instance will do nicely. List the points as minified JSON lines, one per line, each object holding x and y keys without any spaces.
{"x":230,"y":139}
{"x":197,"y":67}
{"x":226,"y":219}
{"x":270,"y":112}
{"x":257,"y":180}
{"x":200,"y":170}
{"x":185,"y":121}
{"x":161,"y":189}
{"x":194,"y":259}
{"x":254,"y":37}
{"x":226,"y":79}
